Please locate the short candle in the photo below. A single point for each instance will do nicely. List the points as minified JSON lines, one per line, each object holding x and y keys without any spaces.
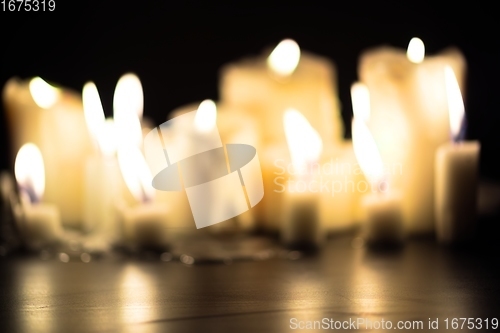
{"x":456,"y":168}
{"x":39,"y":223}
{"x":383,"y":211}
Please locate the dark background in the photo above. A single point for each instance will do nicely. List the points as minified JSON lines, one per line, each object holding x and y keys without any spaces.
{"x":177,"y":48}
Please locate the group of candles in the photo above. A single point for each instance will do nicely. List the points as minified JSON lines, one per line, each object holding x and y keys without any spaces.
{"x":406,"y":171}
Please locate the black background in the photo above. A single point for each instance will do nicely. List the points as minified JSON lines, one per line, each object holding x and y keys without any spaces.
{"x":177,"y":48}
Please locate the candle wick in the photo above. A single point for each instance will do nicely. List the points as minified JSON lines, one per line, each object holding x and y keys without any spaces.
{"x":460,"y":136}
{"x":144,"y":195}
{"x":29,"y":192}
{"x":382,"y":185}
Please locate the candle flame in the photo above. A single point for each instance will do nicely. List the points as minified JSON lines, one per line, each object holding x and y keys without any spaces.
{"x":284,"y":58}
{"x":360,"y":96}
{"x":206,"y":116}
{"x":304,"y":142}
{"x":30,"y":171}
{"x":416,"y":50}
{"x":92,"y":109}
{"x":136,"y":173}
{"x":455,"y":102}
{"x":107,"y":137}
{"x":102,"y":130}
{"x":129,"y":95}
{"x":43,"y":93}
{"x":127,"y":104}
{"x":366,"y":151}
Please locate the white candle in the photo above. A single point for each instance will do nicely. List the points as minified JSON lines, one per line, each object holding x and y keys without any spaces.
{"x":234,"y":127}
{"x":275,"y":174}
{"x":102,"y":182}
{"x":264,"y":87}
{"x":301,"y":221}
{"x":221,"y":181}
{"x":409,"y":120}
{"x":339,"y":179}
{"x":102,"y":178}
{"x":302,"y":226}
{"x":383,"y":217}
{"x":145,"y":223}
{"x":336,"y":180}
{"x":40,"y":223}
{"x":456,"y":174}
{"x":52,"y":118}
{"x":209,"y":165}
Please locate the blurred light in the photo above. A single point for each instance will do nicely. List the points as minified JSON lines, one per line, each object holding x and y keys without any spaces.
{"x":360,"y":96}
{"x":43,"y":93}
{"x":304,"y":142}
{"x":284,"y":58}
{"x":30,"y":171}
{"x":416,"y":50}
{"x":455,"y":102}
{"x":206,"y":116}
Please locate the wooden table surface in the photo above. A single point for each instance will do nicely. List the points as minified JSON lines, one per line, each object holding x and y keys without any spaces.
{"x":342,"y":282}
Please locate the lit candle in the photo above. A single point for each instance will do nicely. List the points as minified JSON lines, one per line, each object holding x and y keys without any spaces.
{"x":209,"y":165}
{"x":265,"y":87}
{"x":51,"y":118}
{"x":221,"y":182}
{"x":145,"y":223}
{"x":382,"y":208}
{"x":40,"y":223}
{"x":456,"y":174}
{"x":203,"y":135}
{"x":101,"y":169}
{"x":409,"y":120}
{"x":234,"y":128}
{"x":336,"y":174}
{"x":302,"y":226}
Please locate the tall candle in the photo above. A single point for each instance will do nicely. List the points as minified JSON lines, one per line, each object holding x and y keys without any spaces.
{"x":264,"y":87}
{"x":52,"y":118}
{"x":103,"y":181}
{"x":383,"y":218}
{"x":40,"y":222}
{"x":234,"y":128}
{"x":302,"y":226}
{"x":101,"y":169}
{"x":409,"y":120}
{"x":456,"y":174}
